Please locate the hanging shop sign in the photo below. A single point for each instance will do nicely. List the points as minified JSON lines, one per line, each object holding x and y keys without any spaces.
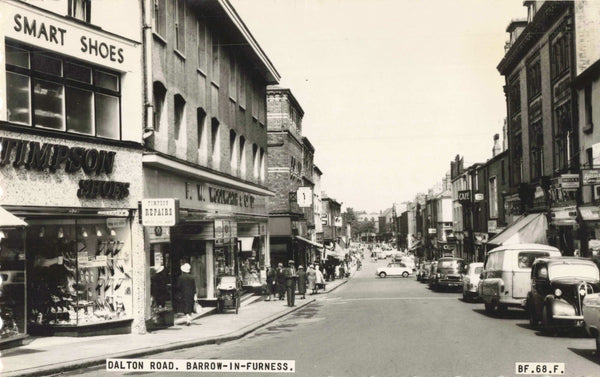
{"x":568,"y":181}
{"x":464,"y":196}
{"x":492,"y":226}
{"x":479,"y":197}
{"x":590,"y":213}
{"x":432,"y":230}
{"x":159,"y":234}
{"x":160,"y":212}
{"x":304,"y":197}
{"x":590,"y":177}
{"x":480,"y":238}
{"x":338,"y":221}
{"x":52,"y":158}
{"x":564,"y":215}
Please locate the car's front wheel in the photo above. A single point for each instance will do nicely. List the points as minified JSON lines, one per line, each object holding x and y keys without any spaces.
{"x":382,"y":274}
{"x":547,"y":325}
{"x":405,"y":274}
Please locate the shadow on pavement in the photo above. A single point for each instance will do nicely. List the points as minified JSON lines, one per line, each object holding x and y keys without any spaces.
{"x":507,"y":314}
{"x":471,"y":301}
{"x":587,"y":353}
{"x":576,"y":333}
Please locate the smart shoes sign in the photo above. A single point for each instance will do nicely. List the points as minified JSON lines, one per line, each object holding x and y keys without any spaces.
{"x":47,"y":31}
{"x":33,"y":155}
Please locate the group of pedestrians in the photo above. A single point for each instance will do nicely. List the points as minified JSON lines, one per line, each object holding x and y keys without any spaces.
{"x":282,"y":282}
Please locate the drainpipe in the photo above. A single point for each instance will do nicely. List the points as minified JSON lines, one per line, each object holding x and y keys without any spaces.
{"x":147,"y":10}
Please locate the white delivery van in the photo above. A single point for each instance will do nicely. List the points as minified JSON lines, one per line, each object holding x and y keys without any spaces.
{"x":505,"y":280}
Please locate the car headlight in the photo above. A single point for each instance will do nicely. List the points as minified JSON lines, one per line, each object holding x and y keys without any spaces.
{"x":557,"y":292}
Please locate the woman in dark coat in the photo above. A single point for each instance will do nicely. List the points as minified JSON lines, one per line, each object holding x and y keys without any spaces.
{"x":187,"y":292}
{"x":302,"y":282}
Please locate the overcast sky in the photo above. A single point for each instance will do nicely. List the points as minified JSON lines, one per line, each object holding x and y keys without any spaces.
{"x":392,"y":89}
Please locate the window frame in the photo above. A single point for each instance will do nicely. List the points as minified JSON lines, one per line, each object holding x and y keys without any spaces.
{"x":65,"y":83}
{"x":159,"y":18}
{"x":72,"y":10}
{"x":179,"y":13}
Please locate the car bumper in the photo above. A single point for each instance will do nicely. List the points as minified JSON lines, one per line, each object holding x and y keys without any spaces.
{"x":450,"y":283}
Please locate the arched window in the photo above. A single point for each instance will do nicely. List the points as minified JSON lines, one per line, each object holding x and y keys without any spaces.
{"x":233,"y":154}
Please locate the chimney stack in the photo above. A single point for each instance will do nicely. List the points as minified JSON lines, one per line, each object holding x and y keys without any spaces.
{"x":497,"y":147}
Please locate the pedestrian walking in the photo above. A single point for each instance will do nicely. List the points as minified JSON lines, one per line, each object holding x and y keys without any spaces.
{"x":280,"y":281}
{"x":320,"y":280}
{"x":342,"y":271}
{"x":186,"y":286}
{"x":302,"y":282}
{"x":271,"y":283}
{"x":312,"y":279}
{"x":290,"y":282}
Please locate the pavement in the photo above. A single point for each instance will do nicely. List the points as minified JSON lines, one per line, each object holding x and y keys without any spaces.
{"x":50,"y":355}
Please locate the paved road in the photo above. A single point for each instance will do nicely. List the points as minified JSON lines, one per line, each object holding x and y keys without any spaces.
{"x":397,"y":327}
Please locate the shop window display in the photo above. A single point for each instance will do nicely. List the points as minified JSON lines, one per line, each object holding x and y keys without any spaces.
{"x":80,"y":272}
{"x":12,"y":284}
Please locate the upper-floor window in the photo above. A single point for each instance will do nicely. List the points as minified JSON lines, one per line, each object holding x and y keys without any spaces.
{"x":255,"y":161}
{"x":564,"y":140}
{"x":560,"y":52}
{"x":534,"y":78}
{"x":179,"y":13}
{"x":202,"y":41}
{"x":242,"y":157}
{"x":255,"y":101}
{"x":588,"y":124}
{"x":515,"y":150}
{"x":216,"y":57}
{"x":80,"y":9}
{"x":202,"y":135}
{"x":514,"y":96}
{"x":242,"y":88}
{"x":232,"y":77}
{"x":493,"y":198}
{"x":179,"y":116}
{"x":215,"y":131}
{"x":48,"y":91}
{"x":262,"y":165}
{"x":536,"y":153}
{"x":160,"y":17}
{"x":159,"y":95}
{"x":233,"y":155}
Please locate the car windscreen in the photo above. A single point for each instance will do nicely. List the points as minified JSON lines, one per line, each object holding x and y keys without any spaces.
{"x":583,"y":271}
{"x":478,"y":270}
{"x":526,"y":258}
{"x":453,"y":263}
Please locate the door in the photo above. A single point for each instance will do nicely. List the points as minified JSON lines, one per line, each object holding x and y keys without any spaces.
{"x":521,"y":273}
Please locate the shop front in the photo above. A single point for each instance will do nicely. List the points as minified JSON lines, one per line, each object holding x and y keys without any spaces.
{"x":67,"y":269}
{"x":70,"y":171}
{"x":563,"y":231}
{"x":220,"y":230}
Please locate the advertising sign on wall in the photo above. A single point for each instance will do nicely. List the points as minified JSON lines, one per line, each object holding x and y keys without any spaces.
{"x":160,"y":212}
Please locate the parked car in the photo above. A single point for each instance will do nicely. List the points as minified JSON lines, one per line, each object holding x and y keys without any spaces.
{"x":505,"y":280}
{"x":558,"y":287}
{"x":471,"y":280}
{"x":423,"y":272}
{"x":432,"y":274}
{"x":449,"y":272}
{"x":591,"y":317}
{"x":394,"y":269}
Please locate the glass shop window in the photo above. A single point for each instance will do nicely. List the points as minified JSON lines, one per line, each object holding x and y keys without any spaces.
{"x":48,"y":91}
{"x":80,"y":272}
{"x":12,"y":284}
